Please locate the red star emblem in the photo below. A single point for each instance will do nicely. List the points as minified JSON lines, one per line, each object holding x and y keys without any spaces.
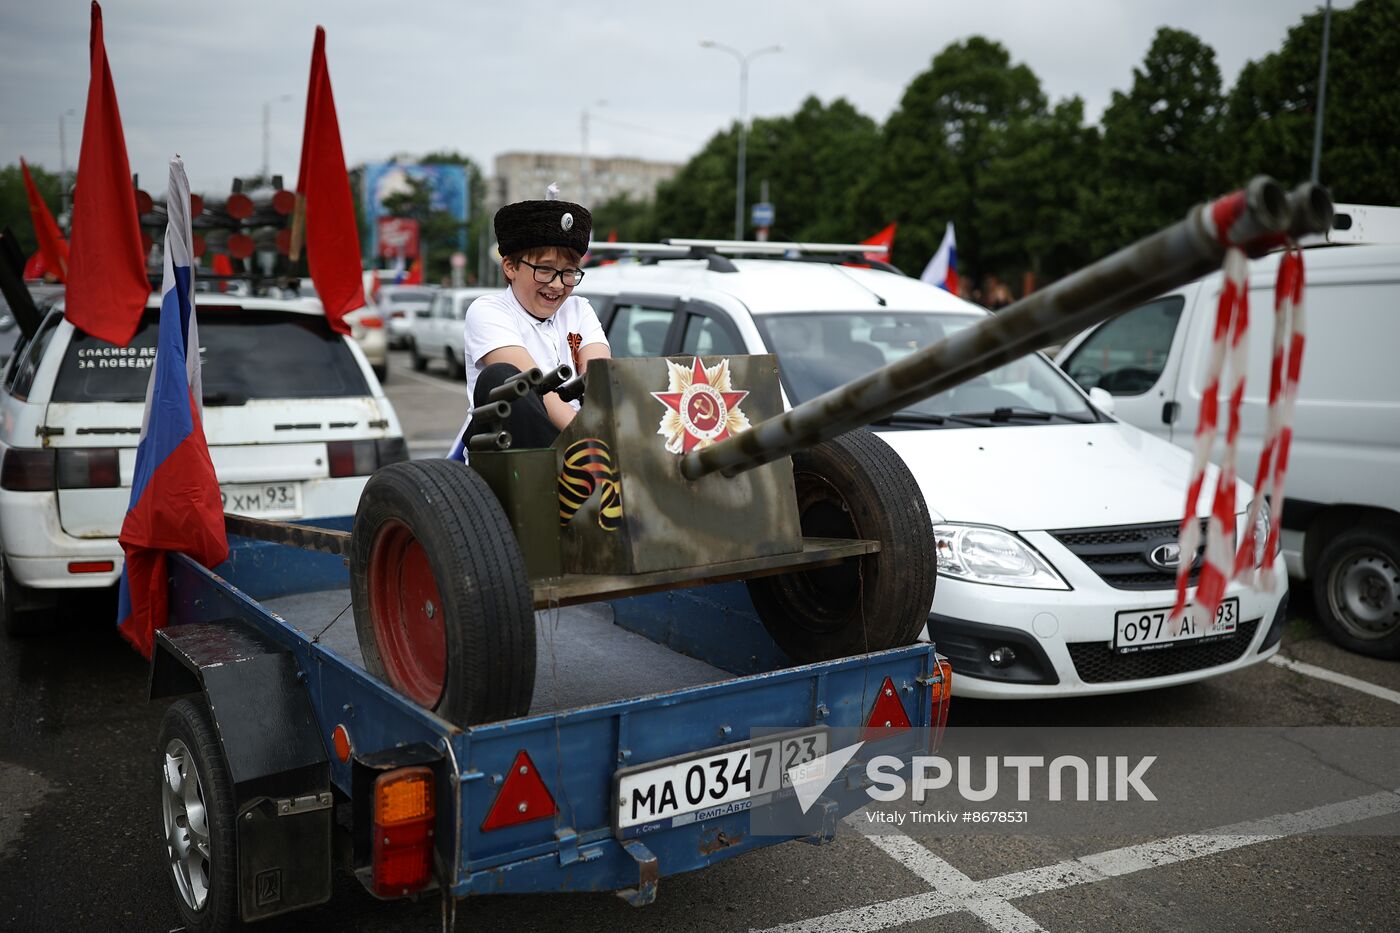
{"x":703,"y":409}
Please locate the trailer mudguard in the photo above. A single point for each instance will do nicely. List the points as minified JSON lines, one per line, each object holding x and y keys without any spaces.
{"x":276,"y":759}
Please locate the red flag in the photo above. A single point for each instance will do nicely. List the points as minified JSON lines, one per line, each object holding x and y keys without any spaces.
{"x":884,"y":238}
{"x":52,"y":246}
{"x":325,"y":207}
{"x":107,"y":285}
{"x":415,"y":273}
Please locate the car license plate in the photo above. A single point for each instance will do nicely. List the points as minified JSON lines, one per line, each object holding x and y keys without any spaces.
{"x":263,"y":500}
{"x":1144,"y":629}
{"x":711,"y":783}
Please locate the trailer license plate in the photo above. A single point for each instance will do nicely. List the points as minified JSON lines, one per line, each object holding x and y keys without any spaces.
{"x":1143,"y":629}
{"x":711,"y":783}
{"x":262,"y":500}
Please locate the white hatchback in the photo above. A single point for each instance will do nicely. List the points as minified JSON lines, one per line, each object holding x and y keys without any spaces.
{"x":1056,"y":524}
{"x":294,"y":417}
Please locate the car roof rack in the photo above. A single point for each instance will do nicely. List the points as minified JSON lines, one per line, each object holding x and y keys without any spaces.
{"x":718,"y":253}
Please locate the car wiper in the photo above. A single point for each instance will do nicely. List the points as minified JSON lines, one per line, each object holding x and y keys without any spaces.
{"x":920,"y":417}
{"x":225,"y":398}
{"x":1008,"y":413}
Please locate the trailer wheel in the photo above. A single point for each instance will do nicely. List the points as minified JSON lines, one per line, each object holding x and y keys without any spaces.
{"x":854,"y":486}
{"x":441,"y":597}
{"x":197,"y":818}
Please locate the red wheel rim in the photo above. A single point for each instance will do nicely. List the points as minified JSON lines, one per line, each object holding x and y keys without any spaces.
{"x":407,"y":613}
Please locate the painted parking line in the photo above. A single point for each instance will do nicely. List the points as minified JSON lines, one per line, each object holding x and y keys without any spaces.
{"x":990,"y":900}
{"x":1332,"y":677}
{"x":451,"y":385}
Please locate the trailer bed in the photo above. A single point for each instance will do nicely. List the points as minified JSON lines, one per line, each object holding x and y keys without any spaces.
{"x":583,"y":658}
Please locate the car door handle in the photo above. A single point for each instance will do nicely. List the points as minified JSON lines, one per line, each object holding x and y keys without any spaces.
{"x":1170,"y":412}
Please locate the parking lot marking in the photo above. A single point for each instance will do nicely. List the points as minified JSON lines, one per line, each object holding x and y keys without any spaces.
{"x":996,"y":912}
{"x":1322,"y":673}
{"x":451,"y":385}
{"x":982,"y":898}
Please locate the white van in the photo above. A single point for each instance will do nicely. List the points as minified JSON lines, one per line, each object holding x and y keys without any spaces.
{"x":1341,"y":520}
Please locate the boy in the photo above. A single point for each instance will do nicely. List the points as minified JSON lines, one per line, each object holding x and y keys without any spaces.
{"x":536,"y":321}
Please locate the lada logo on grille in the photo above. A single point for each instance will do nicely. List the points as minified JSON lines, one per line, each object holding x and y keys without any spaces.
{"x":1165,"y":556}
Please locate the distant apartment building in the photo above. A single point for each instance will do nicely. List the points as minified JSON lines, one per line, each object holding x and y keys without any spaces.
{"x":522,"y":175}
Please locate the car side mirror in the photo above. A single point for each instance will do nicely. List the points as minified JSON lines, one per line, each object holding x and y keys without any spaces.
{"x":1101,"y":399}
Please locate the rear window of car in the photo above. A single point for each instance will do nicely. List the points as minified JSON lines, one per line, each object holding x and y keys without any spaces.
{"x":244,"y":354}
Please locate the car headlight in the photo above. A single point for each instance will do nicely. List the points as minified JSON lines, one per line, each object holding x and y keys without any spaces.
{"x":1261,"y":534}
{"x":990,"y":555}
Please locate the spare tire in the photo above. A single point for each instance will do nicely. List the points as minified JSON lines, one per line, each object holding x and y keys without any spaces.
{"x":854,"y":486}
{"x":441,"y":597}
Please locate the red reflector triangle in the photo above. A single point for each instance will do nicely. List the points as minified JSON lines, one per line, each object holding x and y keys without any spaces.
{"x":523,"y":797}
{"x":888,"y":714}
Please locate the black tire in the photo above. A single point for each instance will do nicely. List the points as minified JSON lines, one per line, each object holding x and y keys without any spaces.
{"x":188,"y":750}
{"x":854,"y":486}
{"x":455,"y":369}
{"x":381,"y":372}
{"x":1356,"y":587}
{"x":418,"y":361}
{"x":479,"y":576}
{"x":17,"y":606}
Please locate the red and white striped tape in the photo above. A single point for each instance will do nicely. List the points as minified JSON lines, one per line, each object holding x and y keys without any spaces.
{"x":1222,"y":562}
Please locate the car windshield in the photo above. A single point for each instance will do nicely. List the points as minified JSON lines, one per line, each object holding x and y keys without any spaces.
{"x":243,"y":355}
{"x":822,"y":350}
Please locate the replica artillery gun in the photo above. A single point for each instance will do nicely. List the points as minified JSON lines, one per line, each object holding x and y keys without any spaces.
{"x":682,"y":472}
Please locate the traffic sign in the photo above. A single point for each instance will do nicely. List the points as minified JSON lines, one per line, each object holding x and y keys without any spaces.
{"x":763,"y":214}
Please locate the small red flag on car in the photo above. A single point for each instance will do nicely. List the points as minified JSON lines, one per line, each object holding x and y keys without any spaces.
{"x":52,"y":247}
{"x":325,"y":212}
{"x":884,"y":238}
{"x":107,"y":284}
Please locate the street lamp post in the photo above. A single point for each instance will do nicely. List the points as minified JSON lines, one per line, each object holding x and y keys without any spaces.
{"x":743,"y":120}
{"x":584,"y":167}
{"x":267,"y":134}
{"x":63,"y":180}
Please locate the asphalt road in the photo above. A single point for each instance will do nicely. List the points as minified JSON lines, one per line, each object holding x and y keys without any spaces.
{"x":80,"y":847}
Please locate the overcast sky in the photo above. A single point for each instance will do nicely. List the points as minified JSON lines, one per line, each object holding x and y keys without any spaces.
{"x":487,"y":78}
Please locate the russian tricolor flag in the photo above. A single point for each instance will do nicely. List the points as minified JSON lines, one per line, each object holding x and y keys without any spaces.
{"x":175,"y":504}
{"x":942,"y":269}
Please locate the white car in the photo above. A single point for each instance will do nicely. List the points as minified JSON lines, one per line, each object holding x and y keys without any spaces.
{"x":1056,"y":524}
{"x":294,"y":417}
{"x":438,"y":336}
{"x":401,"y":306}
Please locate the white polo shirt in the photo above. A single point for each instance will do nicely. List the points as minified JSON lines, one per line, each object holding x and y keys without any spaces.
{"x":499,"y":320}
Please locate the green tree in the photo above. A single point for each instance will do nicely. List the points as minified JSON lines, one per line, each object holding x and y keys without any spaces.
{"x":631,"y":219}
{"x":813,"y":162}
{"x":14,"y":202}
{"x":953,"y":123}
{"x":1162,"y":143}
{"x":1036,"y":193}
{"x":1272,"y":106}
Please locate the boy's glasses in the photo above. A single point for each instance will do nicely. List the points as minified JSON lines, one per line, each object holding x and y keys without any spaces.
{"x":546,"y":274}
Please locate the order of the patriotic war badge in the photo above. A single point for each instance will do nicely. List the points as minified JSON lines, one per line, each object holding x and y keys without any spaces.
{"x":702,"y":407}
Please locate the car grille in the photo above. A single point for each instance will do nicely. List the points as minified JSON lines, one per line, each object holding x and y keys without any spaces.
{"x":1096,"y":662}
{"x":1118,"y":554}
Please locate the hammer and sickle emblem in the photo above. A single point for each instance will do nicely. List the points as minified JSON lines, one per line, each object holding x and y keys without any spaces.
{"x":705,"y":407}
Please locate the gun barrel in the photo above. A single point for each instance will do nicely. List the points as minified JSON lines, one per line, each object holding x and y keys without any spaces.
{"x":501,"y":440}
{"x":1257,"y":218}
{"x":554,"y":379}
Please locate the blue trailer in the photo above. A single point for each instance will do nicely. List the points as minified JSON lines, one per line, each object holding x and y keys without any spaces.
{"x":282,"y":759}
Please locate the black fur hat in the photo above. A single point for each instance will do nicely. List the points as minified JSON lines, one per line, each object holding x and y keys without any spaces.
{"x":533,"y":224}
